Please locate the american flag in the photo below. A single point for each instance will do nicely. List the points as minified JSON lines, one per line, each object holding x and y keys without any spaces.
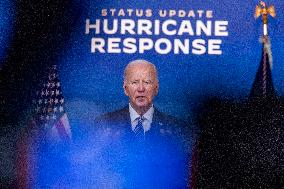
{"x":50,"y":108}
{"x":49,"y":120}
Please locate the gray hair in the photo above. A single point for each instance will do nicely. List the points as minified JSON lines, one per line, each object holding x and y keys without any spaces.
{"x":140,"y":61}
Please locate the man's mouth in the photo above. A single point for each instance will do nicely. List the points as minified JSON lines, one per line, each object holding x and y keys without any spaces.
{"x":140,"y":98}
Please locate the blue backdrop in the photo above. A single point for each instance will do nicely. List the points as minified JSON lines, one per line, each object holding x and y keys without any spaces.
{"x":37,"y":34}
{"x":92,"y":82}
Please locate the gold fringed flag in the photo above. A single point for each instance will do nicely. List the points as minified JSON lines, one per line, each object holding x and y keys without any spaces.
{"x":263,"y":83}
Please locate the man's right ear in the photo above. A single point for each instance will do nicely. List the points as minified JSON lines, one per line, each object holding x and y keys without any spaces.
{"x":125,"y":88}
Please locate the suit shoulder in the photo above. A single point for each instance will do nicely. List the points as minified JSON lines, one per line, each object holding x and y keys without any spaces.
{"x":115,"y":116}
{"x":177,"y":125}
{"x":168,"y":119}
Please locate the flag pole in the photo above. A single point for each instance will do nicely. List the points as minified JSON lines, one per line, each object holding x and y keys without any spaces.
{"x":263,"y":10}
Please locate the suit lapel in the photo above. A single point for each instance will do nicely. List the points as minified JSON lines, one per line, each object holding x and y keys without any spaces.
{"x":156,"y":123}
{"x":125,"y":118}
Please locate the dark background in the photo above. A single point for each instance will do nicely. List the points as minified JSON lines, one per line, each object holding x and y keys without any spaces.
{"x":34,"y":44}
{"x":251,"y":132}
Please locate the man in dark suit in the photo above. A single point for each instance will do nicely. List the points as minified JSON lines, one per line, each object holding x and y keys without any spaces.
{"x":142,"y":146}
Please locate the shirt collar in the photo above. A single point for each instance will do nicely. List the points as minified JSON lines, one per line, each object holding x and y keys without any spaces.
{"x":148,"y":115}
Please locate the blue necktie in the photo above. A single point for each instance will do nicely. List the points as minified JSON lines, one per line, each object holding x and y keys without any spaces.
{"x":139,"y":131}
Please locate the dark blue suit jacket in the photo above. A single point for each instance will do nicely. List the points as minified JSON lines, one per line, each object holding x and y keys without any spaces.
{"x":108,"y":156}
{"x":163,"y":160}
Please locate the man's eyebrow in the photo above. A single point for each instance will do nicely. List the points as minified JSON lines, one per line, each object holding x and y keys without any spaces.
{"x":133,"y":80}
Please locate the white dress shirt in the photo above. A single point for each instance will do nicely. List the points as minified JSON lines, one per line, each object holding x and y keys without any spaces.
{"x":148,"y":117}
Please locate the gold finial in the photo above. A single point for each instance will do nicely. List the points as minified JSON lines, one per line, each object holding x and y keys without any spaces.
{"x":262,"y":9}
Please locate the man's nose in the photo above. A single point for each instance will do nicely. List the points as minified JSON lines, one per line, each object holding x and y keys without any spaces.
{"x":141,"y":86}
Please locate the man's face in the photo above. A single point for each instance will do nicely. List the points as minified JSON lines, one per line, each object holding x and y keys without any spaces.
{"x":141,"y":86}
